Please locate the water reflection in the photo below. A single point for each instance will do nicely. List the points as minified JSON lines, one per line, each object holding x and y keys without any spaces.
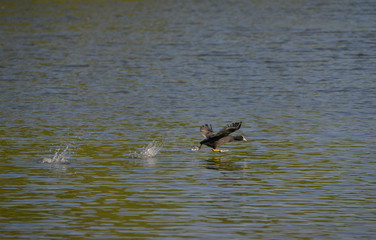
{"x":223,"y":163}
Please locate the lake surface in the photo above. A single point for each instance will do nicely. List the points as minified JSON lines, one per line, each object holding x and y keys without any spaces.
{"x":85,"y":86}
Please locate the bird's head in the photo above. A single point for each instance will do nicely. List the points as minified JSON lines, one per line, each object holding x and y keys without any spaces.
{"x":240,"y":138}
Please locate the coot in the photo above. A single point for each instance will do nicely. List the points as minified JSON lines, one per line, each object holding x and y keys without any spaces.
{"x":216,"y":139}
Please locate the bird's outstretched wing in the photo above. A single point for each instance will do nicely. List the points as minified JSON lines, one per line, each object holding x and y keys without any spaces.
{"x":232,"y":127}
{"x":207,"y":130}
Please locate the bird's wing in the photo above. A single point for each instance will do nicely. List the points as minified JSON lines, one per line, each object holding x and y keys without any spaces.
{"x":207,"y":130}
{"x":232,"y":127}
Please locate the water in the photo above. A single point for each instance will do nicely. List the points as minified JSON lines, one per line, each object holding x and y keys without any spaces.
{"x":94,"y":83}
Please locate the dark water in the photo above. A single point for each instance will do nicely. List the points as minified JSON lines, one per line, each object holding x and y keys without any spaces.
{"x":84,"y":84}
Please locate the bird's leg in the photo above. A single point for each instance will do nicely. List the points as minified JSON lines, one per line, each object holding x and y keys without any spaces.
{"x":218,"y":150}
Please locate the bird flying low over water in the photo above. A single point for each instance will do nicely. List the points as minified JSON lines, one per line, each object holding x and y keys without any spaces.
{"x":216,"y":139}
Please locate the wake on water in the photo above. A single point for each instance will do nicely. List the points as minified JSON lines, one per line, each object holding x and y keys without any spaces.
{"x":150,"y":151}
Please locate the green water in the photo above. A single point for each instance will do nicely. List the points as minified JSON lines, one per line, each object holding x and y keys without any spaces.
{"x":86,"y":85}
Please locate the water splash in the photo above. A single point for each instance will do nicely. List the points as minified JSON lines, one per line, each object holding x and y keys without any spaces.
{"x":195,"y":148}
{"x":150,"y":151}
{"x":61,"y":156}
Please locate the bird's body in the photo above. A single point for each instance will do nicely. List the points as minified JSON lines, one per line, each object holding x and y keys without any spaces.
{"x":216,"y":139}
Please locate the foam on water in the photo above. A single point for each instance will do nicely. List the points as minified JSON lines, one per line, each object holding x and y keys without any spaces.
{"x":60,"y":156}
{"x":150,"y":151}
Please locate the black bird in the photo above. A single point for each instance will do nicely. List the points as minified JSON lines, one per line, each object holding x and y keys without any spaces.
{"x":216,"y":139}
